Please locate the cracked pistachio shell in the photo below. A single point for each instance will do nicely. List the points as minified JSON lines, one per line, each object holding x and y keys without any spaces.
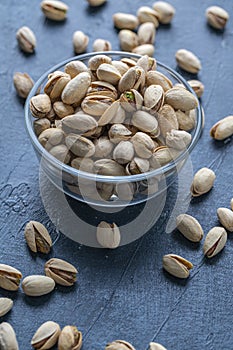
{"x":83,"y":164}
{"x":107,"y":72}
{"x":61,"y":152}
{"x":203,"y":182}
{"x":188,"y":61}
{"x":80,"y":41}
{"x":137,"y":166}
{"x":41,"y":125}
{"x":37,"y":237}
{"x":70,"y":339}
{"x":186,"y":120}
{"x":26,"y":39}
{"x":160,"y":157}
{"x":157,"y":78}
{"x":40,"y":106}
{"x":108,"y":235}
{"x":51,"y":137}
{"x":46,"y":336}
{"x":131,"y":62}
{"x":156,"y":346}
{"x":215,"y":241}
{"x":181,"y":99}
{"x":131,"y":100}
{"x":113,"y":114}
{"x":177,"y":266}
{"x":189,"y":227}
{"x":76,"y":89}
{"x":145,"y":122}
{"x":61,"y":272}
{"x":102,"y":88}
{"x":197,"y":87}
{"x":217,"y":17}
{"x":120,"y":66}
{"x":78,"y":123}
{"x":80,"y":146}
{"x":143,"y":145}
{"x":6,"y":305}
{"x":8,"y":339}
{"x":73,"y":68}
{"x":153,"y":98}
{"x":54,"y":10}
{"x":123,"y":152}
{"x":95,"y":61}
{"x":56,"y":84}
{"x":95,"y":3}
{"x":103,"y":147}
{"x":147,"y":63}
{"x":145,"y":49}
{"x":23,"y":84}
{"x":178,"y":139}
{"x":165,"y":11}
{"x":146,"y":33}
{"x":9,"y":277}
{"x":225,"y":216}
{"x":119,"y":132}
{"x":222,"y":129}
{"x":102,"y":45}
{"x":147,"y":14}
{"x":108,"y":167}
{"x":134,"y":78}
{"x":125,"y":21}
{"x":62,"y":110}
{"x":128,"y":40}
{"x":96,"y":105}
{"x":37,"y":285}
{"x":119,"y":345}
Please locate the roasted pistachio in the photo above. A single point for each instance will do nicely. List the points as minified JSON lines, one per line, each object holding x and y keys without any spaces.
{"x":123,"y":152}
{"x":178,"y":139}
{"x":156,"y":346}
{"x":146,"y":122}
{"x":143,"y":145}
{"x":225,"y":216}
{"x":197,"y":86}
{"x":108,"y":73}
{"x":102,"y":45}
{"x":95,"y":3}
{"x":128,"y":40}
{"x":120,"y":66}
{"x":147,"y":63}
{"x":103,"y":147}
{"x":165,"y":11}
{"x":80,"y":146}
{"x":215,"y":241}
{"x":145,"y":49}
{"x":181,"y":99}
{"x":222,"y":129}
{"x":146,"y":33}
{"x":167,"y":120}
{"x":96,"y":105}
{"x":78,"y":123}
{"x":61,"y":152}
{"x":61,"y":272}
{"x":37,"y":285}
{"x":108,"y":235}
{"x":177,"y":266}
{"x":62,"y":110}
{"x":23,"y":84}
{"x":186,"y":120}
{"x":76,"y":89}
{"x":160,"y":157}
{"x":188,"y":61}
{"x":80,"y":41}
{"x":56,"y":84}
{"x":125,"y":21}
{"x":6,"y":305}
{"x":41,"y":125}
{"x":134,"y":78}
{"x":9,"y":277}
{"x":157,"y":78}
{"x":119,"y":345}
{"x":70,"y":339}
{"x":54,"y":9}
{"x":73,"y":68}
{"x":131,"y":100}
{"x":153,"y":98}
{"x":137,"y":166}
{"x":102,"y":88}
{"x":108,"y":167}
{"x":189,"y":227}
{"x":46,"y":336}
{"x":119,"y":132}
{"x":95,"y":61}
{"x":83,"y":164}
{"x":203,"y":181}
{"x":217,"y":17}
{"x":40,"y":106}
{"x":147,"y":14}
{"x":8,"y":339}
{"x":26,"y":39}
{"x":51,"y":137}
{"x":37,"y":237}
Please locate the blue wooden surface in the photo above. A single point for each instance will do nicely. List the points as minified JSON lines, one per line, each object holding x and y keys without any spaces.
{"x":123,"y":293}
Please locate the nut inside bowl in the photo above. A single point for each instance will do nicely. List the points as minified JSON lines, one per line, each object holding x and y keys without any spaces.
{"x":108,"y":190}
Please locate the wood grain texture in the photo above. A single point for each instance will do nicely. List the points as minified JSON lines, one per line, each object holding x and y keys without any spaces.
{"x":121,"y":294}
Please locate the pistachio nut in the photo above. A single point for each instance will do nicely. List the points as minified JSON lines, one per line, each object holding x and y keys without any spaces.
{"x":23,"y":84}
{"x":76,"y":89}
{"x":9,"y":277}
{"x":186,"y":120}
{"x":222,"y":129}
{"x":215,"y":241}
{"x":103,"y":147}
{"x":189,"y":227}
{"x":73,"y":68}
{"x":178,"y":139}
{"x":61,"y":152}
{"x":145,"y":49}
{"x":37,"y":237}
{"x":95,"y":3}
{"x":102,"y":88}
{"x":108,"y":73}
{"x":217,"y":17}
{"x":70,"y":339}
{"x":177,"y":266}
{"x":41,"y":125}
{"x":6,"y":305}
{"x":197,"y":87}
{"x":61,"y":272}
{"x":188,"y":61}
{"x":101,"y":45}
{"x":56,"y":84}
{"x":147,"y":63}
{"x":46,"y":336}
{"x":145,"y":122}
{"x":157,"y":78}
{"x":104,"y":191}
{"x":83,"y":164}
{"x":96,"y":105}
{"x":125,"y":21}
{"x":119,"y":132}
{"x":113,"y":114}
{"x":137,"y":166}
{"x":161,"y":156}
{"x":181,"y":99}
{"x":203,"y":181}
{"x":128,"y":40}
{"x":225,"y":216}
{"x":78,"y":123}
{"x":54,"y":9}
{"x":8,"y":339}
{"x":134,"y":78}
{"x":108,"y":235}
{"x":95,"y":61}
{"x":26,"y":39}
{"x":37,"y":285}
{"x":119,"y":345}
{"x":51,"y":137}
{"x":143,"y":145}
{"x":51,"y":116}
{"x":80,"y":41}
{"x":147,"y":14}
{"x":80,"y":146}
{"x":167,"y":120}
{"x":131,"y":100}
{"x":120,"y":66}
{"x":146,"y":33}
{"x":123,"y":152}
{"x":40,"y":106}
{"x":131,"y":62}
{"x":165,"y":11}
{"x":156,"y":346}
{"x":153,"y":98}
{"x":125,"y":191}
{"x":62,"y":110}
{"x":108,"y":167}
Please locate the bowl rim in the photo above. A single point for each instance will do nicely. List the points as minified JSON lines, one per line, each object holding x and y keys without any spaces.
{"x":103,"y":178}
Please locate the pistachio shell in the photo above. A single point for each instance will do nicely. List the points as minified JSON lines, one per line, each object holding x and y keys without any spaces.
{"x":103,"y":147}
{"x":143,"y":145}
{"x":137,"y":166}
{"x":37,"y":285}
{"x":165,"y":11}
{"x":131,"y":100}
{"x":108,"y":73}
{"x":54,"y":9}
{"x":61,"y":272}
{"x":125,"y":21}
{"x":203,"y":181}
{"x":147,"y":63}
{"x":119,"y":132}
{"x":70,"y":339}
{"x":23,"y":84}
{"x":222,"y":129}
{"x":95,"y":61}
{"x":157,"y":78}
{"x":145,"y":122}
{"x":123,"y":152}
{"x":153,"y":98}
{"x":46,"y":336}
{"x":41,"y":125}
{"x":37,"y":237}
{"x":102,"y":45}
{"x":119,"y":345}
{"x":181,"y":99}
{"x":61,"y":152}
{"x":8,"y":339}
{"x":113,"y":114}
{"x":134,"y":78}
{"x":178,"y":139}
{"x":76,"y":89}
{"x":95,"y":3}
{"x":120,"y":66}
{"x":80,"y":146}
{"x":186,"y":120}
{"x":189,"y":227}
{"x":225,"y":216}
{"x":146,"y":33}
{"x":78,"y":123}
{"x":108,"y":167}
{"x":188,"y":61}
{"x":145,"y":49}
{"x":51,"y":137}
{"x":40,"y":106}
{"x":108,"y":235}
{"x":217,"y":17}
{"x":80,"y":41}
{"x":73,"y":68}
{"x":215,"y":241}
{"x":9,"y":277}
{"x":62,"y":110}
{"x":156,"y":346}
{"x":177,"y":266}
{"x":96,"y":105}
{"x":26,"y":39}
{"x":6,"y":305}
{"x":102,"y":88}
{"x":147,"y":14}
{"x":197,"y":86}
{"x":128,"y":40}
{"x":83,"y":164}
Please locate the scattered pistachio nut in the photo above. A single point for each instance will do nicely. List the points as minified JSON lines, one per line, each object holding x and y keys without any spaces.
{"x":156,"y":346}
{"x":222,"y":129}
{"x":61,"y":272}
{"x":26,"y":39}
{"x":23,"y":84}
{"x":46,"y":336}
{"x":102,"y":45}
{"x":125,"y":21}
{"x":145,"y":49}
{"x":80,"y":41}
{"x":189,"y":227}
{"x":177,"y":266}
{"x":146,"y":33}
{"x":119,"y":345}
{"x":54,"y":9}
{"x":70,"y":339}
{"x":9,"y":277}
{"x":6,"y":305}
{"x":37,"y":237}
{"x":96,"y":3}
{"x":217,"y":17}
{"x":147,"y":14}
{"x":8,"y":339}
{"x":203,"y":181}
{"x":188,"y":61}
{"x":215,"y":241}
{"x":108,"y":235}
{"x":128,"y":40}
{"x":37,"y":285}
{"x":225,"y":216}
{"x":197,"y":86}
{"x":165,"y":11}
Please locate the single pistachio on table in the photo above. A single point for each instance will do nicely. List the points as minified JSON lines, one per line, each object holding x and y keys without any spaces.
{"x":178,"y":139}
{"x":147,"y":63}
{"x":41,"y":125}
{"x":37,"y":285}
{"x":189,"y":227}
{"x":103,"y":147}
{"x":56,"y":84}
{"x":37,"y":237}
{"x":26,"y":39}
{"x":9,"y":277}
{"x":78,"y":123}
{"x":128,"y":40}
{"x":46,"y":336}
{"x":225,"y":216}
{"x":101,"y":45}
{"x":108,"y":235}
{"x":137,"y":166}
{"x":23,"y":84}
{"x":54,"y":9}
{"x":145,"y":49}
{"x":186,"y":120}
{"x":143,"y":145}
{"x":165,"y":11}
{"x":215,"y":241}
{"x":120,"y":66}
{"x":153,"y":98}
{"x":134,"y":78}
{"x":6,"y":305}
{"x":96,"y":105}
{"x":222,"y":129}
{"x":177,"y":266}
{"x":102,"y":88}
{"x":83,"y":164}
{"x":40,"y":105}
{"x":156,"y":346}
{"x":161,"y":156}
{"x":131,"y":100}
{"x":51,"y":137}
{"x":61,"y":272}
{"x":125,"y":21}
{"x":76,"y":89}
{"x":108,"y":167}
{"x":95,"y":61}
{"x":147,"y":14}
{"x":70,"y":339}
{"x":80,"y":41}
{"x":119,"y":345}
{"x":62,"y":110}
{"x":167,"y":120}
{"x":123,"y":152}
{"x":181,"y":99}
{"x":79,"y":145}
{"x":203,"y":181}
{"x":188,"y":61}
{"x":61,"y":152}
{"x":95,"y":3}
{"x":146,"y":122}
{"x":119,"y":132}
{"x":217,"y":17}
{"x":8,"y":339}
{"x":146,"y":33}
{"x":158,"y":78}
{"x":73,"y":68}
{"x":108,"y":73}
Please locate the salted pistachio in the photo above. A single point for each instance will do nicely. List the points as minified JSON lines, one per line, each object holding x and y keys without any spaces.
{"x":146,"y":33}
{"x":95,"y":61}
{"x":6,"y":305}
{"x":225,"y":216}
{"x":143,"y":145}
{"x":37,"y":237}
{"x":125,"y":191}
{"x":61,"y":272}
{"x":167,"y":120}
{"x":62,"y":110}
{"x":222,"y":129}
{"x":108,"y":167}
{"x":78,"y":123}
{"x":153,"y":98}
{"x":188,"y":61}
{"x":181,"y":99}
{"x":37,"y":285}
{"x":40,"y":125}
{"x":119,"y":345}
{"x":165,"y":11}
{"x":103,"y":147}
{"x":73,"y":68}
{"x":197,"y":87}
{"x":215,"y":241}
{"x":147,"y":14}
{"x":46,"y":336}
{"x":123,"y":152}
{"x":156,"y":346}
{"x":177,"y":266}
{"x":40,"y":106}
{"x":83,"y":164}
{"x":137,"y":166}
{"x":189,"y":227}
{"x":61,"y":152}
{"x":56,"y":84}
{"x":125,"y":21}
{"x":108,"y":73}
{"x":76,"y":89}
{"x":203,"y":181}
{"x":128,"y":40}
{"x":157,"y":78}
{"x":101,"y":45}
{"x":23,"y":84}
{"x":131,"y":62}
{"x":9,"y":277}
{"x":54,"y":9}
{"x":51,"y":137}
{"x":120,"y":66}
{"x":217,"y":17}
{"x":178,"y":139}
{"x":147,"y":63}
{"x":102,"y":192}
{"x":146,"y":122}
{"x":186,"y":120}
{"x":80,"y":41}
{"x":145,"y":49}
{"x":114,"y":114}
{"x":102,"y":88}
{"x":95,"y":3}
{"x":79,"y":145}
{"x":119,"y":132}
{"x":8,"y":339}
{"x":131,"y":100}
{"x":96,"y":105}
{"x":161,"y":156}
{"x":134,"y":78}
{"x":26,"y":39}
{"x":70,"y":339}
{"x":108,"y":235}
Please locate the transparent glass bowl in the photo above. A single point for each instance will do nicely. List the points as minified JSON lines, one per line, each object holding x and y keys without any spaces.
{"x":109,"y":191}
